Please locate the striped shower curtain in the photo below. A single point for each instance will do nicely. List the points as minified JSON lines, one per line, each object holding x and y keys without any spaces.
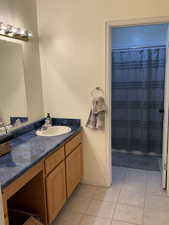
{"x":137,"y":96}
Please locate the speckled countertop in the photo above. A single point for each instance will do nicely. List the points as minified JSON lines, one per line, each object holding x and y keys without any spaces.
{"x":27,"y":150}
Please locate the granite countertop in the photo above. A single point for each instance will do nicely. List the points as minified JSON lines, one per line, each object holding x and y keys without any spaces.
{"x":27,"y":150}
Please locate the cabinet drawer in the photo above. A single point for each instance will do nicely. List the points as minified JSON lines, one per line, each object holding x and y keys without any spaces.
{"x":53,"y":160}
{"x":73,"y":143}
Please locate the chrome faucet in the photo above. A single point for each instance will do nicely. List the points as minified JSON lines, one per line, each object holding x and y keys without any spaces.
{"x":48,"y":122}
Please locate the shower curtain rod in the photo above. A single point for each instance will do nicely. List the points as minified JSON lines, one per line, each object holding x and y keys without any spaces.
{"x":153,"y":46}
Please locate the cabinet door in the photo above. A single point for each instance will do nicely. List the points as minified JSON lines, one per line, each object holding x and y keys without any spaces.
{"x":74,"y":169}
{"x":56,"y":191}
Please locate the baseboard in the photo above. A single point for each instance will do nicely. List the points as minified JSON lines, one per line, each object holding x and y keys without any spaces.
{"x":94,"y":183}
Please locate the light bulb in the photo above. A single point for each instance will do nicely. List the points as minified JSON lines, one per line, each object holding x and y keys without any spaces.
{"x":10,"y":34}
{"x":2,"y":32}
{"x":14,"y":30}
{"x":3,"y":27}
{"x":29,"y":34}
{"x":22,"y":32}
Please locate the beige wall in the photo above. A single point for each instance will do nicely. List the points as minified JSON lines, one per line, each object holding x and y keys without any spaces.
{"x":22,"y":13}
{"x":72,"y":49}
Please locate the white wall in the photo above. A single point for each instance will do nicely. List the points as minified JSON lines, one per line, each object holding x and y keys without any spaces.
{"x":22,"y":13}
{"x":136,"y":36}
{"x":72,"y":50}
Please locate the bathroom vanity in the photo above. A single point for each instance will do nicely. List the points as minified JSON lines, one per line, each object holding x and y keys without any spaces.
{"x":39,"y":176}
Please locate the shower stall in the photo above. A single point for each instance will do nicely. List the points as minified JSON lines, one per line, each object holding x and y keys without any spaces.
{"x":138,"y":76}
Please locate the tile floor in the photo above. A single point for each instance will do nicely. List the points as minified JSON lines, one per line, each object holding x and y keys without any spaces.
{"x":135,"y":198}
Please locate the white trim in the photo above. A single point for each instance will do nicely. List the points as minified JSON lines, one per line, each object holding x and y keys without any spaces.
{"x":108,"y":178}
{"x":109,"y":26}
{"x":165,"y":120}
{"x":136,"y":22}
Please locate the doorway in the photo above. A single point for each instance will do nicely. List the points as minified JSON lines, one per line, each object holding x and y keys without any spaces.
{"x":126,"y":141}
{"x":138,"y":76}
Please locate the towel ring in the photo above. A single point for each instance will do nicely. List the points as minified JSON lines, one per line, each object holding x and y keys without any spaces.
{"x":97,"y":92}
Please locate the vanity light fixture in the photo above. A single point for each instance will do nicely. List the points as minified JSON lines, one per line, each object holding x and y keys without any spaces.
{"x":14,"y":32}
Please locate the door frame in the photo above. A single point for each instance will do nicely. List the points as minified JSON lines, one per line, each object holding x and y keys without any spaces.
{"x":108,"y":33}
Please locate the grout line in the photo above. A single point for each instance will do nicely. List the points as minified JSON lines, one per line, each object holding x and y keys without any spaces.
{"x":117,"y":201}
{"x":81,"y":220}
{"x":135,"y":206}
{"x":146,"y":186}
{"x":127,"y":223}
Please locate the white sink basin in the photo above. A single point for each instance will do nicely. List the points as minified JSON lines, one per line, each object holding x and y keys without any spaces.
{"x":54,"y":131}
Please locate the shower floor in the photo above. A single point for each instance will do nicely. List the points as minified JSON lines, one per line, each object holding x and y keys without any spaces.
{"x":136,"y":161}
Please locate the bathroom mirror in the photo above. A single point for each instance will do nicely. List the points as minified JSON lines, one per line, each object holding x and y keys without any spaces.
{"x":13,"y":101}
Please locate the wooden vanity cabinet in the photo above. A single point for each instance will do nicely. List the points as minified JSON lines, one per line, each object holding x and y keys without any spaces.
{"x":46,"y":186}
{"x":56,"y":191}
{"x":64,"y":171}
